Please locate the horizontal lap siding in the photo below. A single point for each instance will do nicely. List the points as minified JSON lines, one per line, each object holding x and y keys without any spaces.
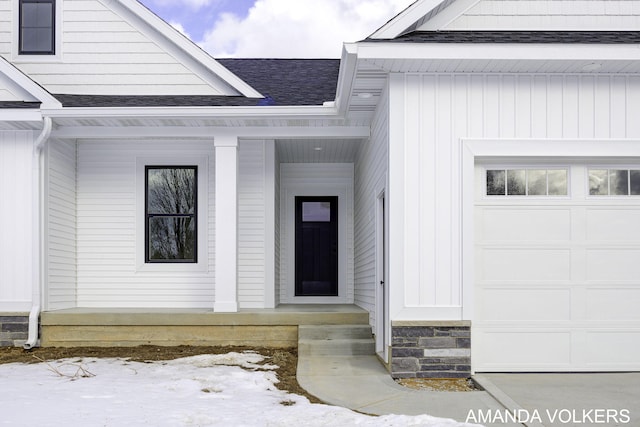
{"x":106,"y":195}
{"x":251,"y":225}
{"x":548,"y":14}
{"x":61,"y":225}
{"x":103,"y":54}
{"x":15,"y":220}
{"x":442,"y":109}
{"x":370,"y":172}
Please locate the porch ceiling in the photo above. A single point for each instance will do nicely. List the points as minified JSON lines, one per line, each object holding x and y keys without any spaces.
{"x":318,"y":150}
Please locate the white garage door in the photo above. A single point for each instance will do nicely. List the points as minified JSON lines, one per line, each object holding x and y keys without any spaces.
{"x":557,"y":268}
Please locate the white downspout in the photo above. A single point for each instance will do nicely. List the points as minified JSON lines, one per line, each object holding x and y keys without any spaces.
{"x":36,"y":282}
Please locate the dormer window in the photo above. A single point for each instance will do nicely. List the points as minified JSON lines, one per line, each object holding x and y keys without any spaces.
{"x":37,"y":27}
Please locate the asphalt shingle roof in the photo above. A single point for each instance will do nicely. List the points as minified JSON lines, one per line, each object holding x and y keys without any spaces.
{"x":285,"y":82}
{"x":19,"y":104}
{"x":568,"y":37}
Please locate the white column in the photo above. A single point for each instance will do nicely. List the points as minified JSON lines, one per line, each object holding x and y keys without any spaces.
{"x":226,"y":208}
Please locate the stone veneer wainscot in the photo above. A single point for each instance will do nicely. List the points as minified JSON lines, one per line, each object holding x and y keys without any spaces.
{"x":14,"y":329}
{"x":431,"y":349}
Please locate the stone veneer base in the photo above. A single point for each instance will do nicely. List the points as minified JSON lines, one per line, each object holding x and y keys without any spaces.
{"x":14,"y":329}
{"x":437,"y":349}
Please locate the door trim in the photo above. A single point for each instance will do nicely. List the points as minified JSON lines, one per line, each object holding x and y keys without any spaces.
{"x":341,"y":191}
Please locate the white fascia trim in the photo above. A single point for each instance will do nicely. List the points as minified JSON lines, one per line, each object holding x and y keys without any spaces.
{"x":21,"y":115}
{"x":448,"y":15}
{"x":346,"y":76}
{"x":28,"y":86}
{"x":272,"y":112}
{"x":186,"y":45}
{"x":206,"y":132}
{"x":405,"y":19}
{"x":506,"y":51}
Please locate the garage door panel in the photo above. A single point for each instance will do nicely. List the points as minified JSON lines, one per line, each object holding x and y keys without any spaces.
{"x":613,"y":304}
{"x":515,"y":264}
{"x":532,"y":304}
{"x":543,"y":225}
{"x":613,"y":264}
{"x":523,"y":350}
{"x":621,"y":347}
{"x":613,"y":225}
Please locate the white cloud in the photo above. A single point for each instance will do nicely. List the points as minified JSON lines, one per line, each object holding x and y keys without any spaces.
{"x":194,"y":4}
{"x":298,"y":28}
{"x":178,"y":26}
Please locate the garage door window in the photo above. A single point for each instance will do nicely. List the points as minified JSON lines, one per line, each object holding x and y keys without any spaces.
{"x":614,"y":182}
{"x":527,"y":182}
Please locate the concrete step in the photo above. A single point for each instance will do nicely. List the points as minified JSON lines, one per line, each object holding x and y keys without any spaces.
{"x":332,"y":332}
{"x":336,"y":347}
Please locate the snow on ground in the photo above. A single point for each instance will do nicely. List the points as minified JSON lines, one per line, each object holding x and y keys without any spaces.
{"x":207,"y":390}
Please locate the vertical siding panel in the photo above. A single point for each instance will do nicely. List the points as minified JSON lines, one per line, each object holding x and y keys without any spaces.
{"x":476,"y":102}
{"x":443,"y":182}
{"x":491,"y":106}
{"x":15,"y":220}
{"x":523,"y":107}
{"x":602,"y":107}
{"x":619,"y":107}
{"x":538,"y":107}
{"x":554,"y":107}
{"x":570,"y":107}
{"x":586,"y":107}
{"x":633,"y":107}
{"x":508,"y":107}
{"x":420,"y":116}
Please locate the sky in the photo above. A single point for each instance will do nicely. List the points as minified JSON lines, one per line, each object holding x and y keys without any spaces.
{"x":206,"y":390}
{"x":276,"y":28}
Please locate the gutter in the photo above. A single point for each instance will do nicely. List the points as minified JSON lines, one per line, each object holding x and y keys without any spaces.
{"x":36,"y":283}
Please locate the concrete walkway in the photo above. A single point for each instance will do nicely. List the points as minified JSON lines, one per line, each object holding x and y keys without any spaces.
{"x":361,"y":383}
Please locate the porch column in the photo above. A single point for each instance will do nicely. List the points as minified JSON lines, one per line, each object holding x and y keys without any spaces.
{"x":226,"y":224}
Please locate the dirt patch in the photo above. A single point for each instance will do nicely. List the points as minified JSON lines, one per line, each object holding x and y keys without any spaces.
{"x":286,"y":359}
{"x":437,"y":384}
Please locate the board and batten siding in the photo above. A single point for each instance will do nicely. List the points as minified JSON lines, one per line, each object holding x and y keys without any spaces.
{"x":314,"y":179}
{"x":60,"y":223}
{"x":16,"y":230}
{"x":430,"y":114}
{"x":108,"y":274}
{"x":102,"y":54}
{"x":370,"y":178}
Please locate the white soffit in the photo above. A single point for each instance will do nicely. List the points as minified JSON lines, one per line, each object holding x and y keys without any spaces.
{"x":184,"y":49}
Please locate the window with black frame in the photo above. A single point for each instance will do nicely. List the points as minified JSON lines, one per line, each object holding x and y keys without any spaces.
{"x":171,"y":223}
{"x":37,"y":27}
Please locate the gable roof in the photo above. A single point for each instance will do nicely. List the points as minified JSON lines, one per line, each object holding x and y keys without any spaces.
{"x":284,"y":82}
{"x":28,"y":92}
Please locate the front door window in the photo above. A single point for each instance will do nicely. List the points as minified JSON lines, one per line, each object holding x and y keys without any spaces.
{"x":316,"y":246}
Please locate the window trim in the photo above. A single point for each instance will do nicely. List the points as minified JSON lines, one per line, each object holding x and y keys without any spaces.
{"x":203,"y":200}
{"x":16,"y":54}
{"x":526,"y":196}
{"x":148,"y":216}
{"x":53,"y":29}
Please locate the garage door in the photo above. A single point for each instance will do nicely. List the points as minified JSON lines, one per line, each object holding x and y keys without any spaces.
{"x":557,"y":268}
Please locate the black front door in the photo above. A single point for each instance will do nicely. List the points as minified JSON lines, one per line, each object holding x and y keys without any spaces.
{"x":316,"y":246}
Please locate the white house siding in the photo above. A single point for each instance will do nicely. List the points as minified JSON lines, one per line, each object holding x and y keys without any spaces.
{"x":8,"y":90}
{"x":60,"y":221}
{"x":439,"y":110}
{"x":102,"y":54}
{"x":251,"y":225}
{"x":370,"y":178}
{"x":277,"y":257}
{"x":550,"y":14}
{"x":108,"y":274}
{"x":313,"y":179}
{"x":16,"y":152}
